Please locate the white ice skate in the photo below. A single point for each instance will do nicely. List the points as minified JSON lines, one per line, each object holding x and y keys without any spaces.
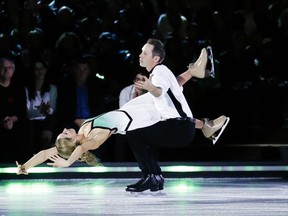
{"x":212,"y":129}
{"x":204,"y":65}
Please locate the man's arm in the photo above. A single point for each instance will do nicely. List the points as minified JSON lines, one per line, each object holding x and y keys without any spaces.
{"x":156,"y":91}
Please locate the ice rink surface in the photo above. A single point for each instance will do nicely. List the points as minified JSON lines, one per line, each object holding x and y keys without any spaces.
{"x":181,"y":196}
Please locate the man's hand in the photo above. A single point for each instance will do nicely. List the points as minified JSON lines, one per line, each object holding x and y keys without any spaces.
{"x":148,"y":86}
{"x":145,"y":84}
{"x":58,"y":161}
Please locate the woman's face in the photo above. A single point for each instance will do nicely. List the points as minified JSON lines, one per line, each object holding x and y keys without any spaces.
{"x":67,"y":133}
{"x":40,"y":70}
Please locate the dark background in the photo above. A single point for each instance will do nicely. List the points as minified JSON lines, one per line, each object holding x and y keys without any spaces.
{"x":249,"y":40}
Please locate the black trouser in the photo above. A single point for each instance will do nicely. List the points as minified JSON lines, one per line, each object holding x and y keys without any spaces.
{"x":172,"y":133}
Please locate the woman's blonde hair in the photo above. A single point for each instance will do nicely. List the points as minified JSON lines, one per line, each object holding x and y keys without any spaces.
{"x":65,"y":147}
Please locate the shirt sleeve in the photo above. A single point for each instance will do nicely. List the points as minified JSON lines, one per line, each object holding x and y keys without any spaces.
{"x":161,"y":79}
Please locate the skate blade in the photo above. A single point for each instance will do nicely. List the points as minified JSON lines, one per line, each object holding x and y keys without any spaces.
{"x":211,"y":70}
{"x":215,"y":139}
{"x":146,"y":193}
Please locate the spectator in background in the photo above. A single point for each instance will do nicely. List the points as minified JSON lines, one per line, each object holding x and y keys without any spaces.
{"x":112,"y":61}
{"x":41,"y":97}
{"x":67,"y":47}
{"x":130,"y":92}
{"x":12,"y":114}
{"x":172,"y":22}
{"x":65,"y":21}
{"x":35,"y":48}
{"x":6,"y":46}
{"x":80,"y":96}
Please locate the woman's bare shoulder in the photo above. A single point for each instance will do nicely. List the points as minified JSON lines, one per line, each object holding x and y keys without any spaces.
{"x":85,"y":128}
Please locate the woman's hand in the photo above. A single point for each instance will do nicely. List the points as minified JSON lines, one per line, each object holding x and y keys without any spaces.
{"x":58,"y":161}
{"x":44,"y":108}
{"x":21,"y":169}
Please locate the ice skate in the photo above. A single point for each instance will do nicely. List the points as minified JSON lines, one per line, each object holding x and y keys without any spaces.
{"x":213,"y":129}
{"x":204,"y":65}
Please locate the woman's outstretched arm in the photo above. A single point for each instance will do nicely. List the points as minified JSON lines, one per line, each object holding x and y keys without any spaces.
{"x":37,"y":159}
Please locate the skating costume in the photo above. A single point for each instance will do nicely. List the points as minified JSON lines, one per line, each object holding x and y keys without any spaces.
{"x":137,"y":113}
{"x":165,"y":79}
{"x":116,"y":121}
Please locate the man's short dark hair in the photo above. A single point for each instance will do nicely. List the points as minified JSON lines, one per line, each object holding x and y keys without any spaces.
{"x":158,"y":49}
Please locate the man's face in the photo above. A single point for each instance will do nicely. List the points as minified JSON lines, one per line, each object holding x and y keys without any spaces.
{"x":146,"y":58}
{"x":7,"y":70}
{"x":82,"y":72}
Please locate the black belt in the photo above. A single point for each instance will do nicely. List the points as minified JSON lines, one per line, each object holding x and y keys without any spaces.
{"x":183,"y":119}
